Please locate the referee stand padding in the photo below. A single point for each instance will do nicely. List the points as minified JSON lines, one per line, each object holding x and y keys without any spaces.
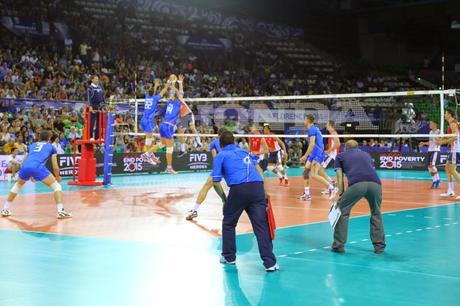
{"x":87,"y":163}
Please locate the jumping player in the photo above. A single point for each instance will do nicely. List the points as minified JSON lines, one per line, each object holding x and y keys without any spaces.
{"x":185,"y":122}
{"x":215,"y":149}
{"x":454,"y":156}
{"x":275,"y":161}
{"x":313,"y":158}
{"x":433,"y":150}
{"x":333,"y":148}
{"x":148,"y":120}
{"x":174,"y":106}
{"x":34,"y":167}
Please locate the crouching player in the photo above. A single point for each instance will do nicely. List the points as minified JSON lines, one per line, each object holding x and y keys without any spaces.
{"x":34,"y":167}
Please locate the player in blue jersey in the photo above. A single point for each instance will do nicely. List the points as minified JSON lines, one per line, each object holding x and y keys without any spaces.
{"x":148,"y":120}
{"x":34,"y":167}
{"x":214,"y":147}
{"x":175,"y":107}
{"x":313,"y":159}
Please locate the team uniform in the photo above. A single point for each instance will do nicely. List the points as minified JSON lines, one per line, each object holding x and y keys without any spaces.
{"x":255,"y":147}
{"x":275,"y":155}
{"x":433,"y":149}
{"x":168,"y":125}
{"x":35,"y":164}
{"x":148,"y":117}
{"x":454,"y":155}
{"x":333,"y":155}
{"x":317,"y":154}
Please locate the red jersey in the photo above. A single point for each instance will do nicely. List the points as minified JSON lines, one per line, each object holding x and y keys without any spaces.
{"x":255,"y":144}
{"x":271,"y":143}
{"x":449,"y":130}
{"x":330,"y":144}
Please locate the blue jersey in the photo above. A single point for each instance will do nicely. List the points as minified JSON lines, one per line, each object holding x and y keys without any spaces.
{"x":172,"y":111}
{"x":234,"y":165}
{"x":215,"y":144}
{"x":95,"y":96}
{"x":319,"y":145}
{"x":39,"y":153}
{"x":150,"y":104}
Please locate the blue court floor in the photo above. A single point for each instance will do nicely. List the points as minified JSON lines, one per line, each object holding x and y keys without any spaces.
{"x":420,"y":266}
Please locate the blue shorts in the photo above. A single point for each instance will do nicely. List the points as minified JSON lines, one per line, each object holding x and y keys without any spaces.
{"x":39,"y":174}
{"x":148,"y":124}
{"x":318,"y":157}
{"x":167,"y":131}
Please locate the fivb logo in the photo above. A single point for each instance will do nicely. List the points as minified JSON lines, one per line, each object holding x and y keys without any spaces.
{"x":66,"y":163}
{"x":198,"y":161}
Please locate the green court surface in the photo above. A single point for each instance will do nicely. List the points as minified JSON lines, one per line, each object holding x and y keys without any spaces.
{"x":420,"y":266}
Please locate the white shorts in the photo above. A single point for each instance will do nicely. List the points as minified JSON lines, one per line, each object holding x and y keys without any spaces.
{"x":330,"y":157}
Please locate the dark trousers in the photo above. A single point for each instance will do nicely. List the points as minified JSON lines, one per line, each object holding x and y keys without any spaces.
{"x":372,"y":192}
{"x":94,"y":125}
{"x":249,"y":197}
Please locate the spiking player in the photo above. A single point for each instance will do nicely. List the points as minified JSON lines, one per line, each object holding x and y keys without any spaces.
{"x":215,"y":149}
{"x":333,"y":148}
{"x":275,"y":145}
{"x":175,"y":107}
{"x":454,"y":156}
{"x":313,"y":158}
{"x":433,"y":150}
{"x":186,"y":121}
{"x":148,"y":120}
{"x":34,"y":167}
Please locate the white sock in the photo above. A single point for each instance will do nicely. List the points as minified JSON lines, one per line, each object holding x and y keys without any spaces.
{"x":450,"y":187}
{"x":60,"y":207}
{"x":307,"y":190}
{"x":285,"y":176}
{"x":196,"y":207}
{"x":330,"y":186}
{"x":7,"y":205}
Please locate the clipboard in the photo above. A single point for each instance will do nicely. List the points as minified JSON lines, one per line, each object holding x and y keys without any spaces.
{"x":271,"y":219}
{"x":334,"y":214}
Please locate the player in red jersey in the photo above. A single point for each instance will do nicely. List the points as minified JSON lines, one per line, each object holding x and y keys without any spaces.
{"x":276,"y":149}
{"x":258,"y":146}
{"x":333,"y":148}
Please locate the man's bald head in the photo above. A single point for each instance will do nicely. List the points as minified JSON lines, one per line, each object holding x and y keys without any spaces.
{"x":350,"y":144}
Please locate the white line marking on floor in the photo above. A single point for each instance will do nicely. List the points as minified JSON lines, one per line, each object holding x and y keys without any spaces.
{"x":297,"y":253}
{"x":399,"y":233}
{"x":408,"y":232}
{"x":365,"y":239}
{"x":455,"y":223}
{"x":312,"y":250}
{"x":419,"y":230}
{"x":446,"y":224}
{"x":326,"y":247}
{"x":428,"y":228}
{"x":409,"y":216}
{"x":282,"y":255}
{"x":391,"y":215}
{"x":438,"y":226}
{"x":426,"y":217}
{"x":388,"y":235}
{"x":353,"y":242}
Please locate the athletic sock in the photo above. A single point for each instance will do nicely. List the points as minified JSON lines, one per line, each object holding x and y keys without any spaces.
{"x":330,"y":186}
{"x":307,"y":190}
{"x":60,"y":207}
{"x":7,"y":205}
{"x":450,"y":187}
{"x":196,"y":207}
{"x":285,"y":176}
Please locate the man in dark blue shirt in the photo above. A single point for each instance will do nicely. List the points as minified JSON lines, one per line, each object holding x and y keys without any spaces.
{"x":96,"y":101}
{"x":363,"y":182}
{"x":246,"y":194}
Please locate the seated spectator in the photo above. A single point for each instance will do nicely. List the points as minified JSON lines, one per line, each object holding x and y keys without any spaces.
{"x":57,"y":145}
{"x":21,"y":146}
{"x":9,"y":147}
{"x":14,"y":162}
{"x":73,"y":134}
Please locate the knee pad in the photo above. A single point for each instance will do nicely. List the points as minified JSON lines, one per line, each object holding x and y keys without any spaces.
{"x":306,"y":173}
{"x":270,"y":168}
{"x":280,"y":167}
{"x":148,"y":141}
{"x":170,"y":150}
{"x":15,"y":189}
{"x":56,"y":187}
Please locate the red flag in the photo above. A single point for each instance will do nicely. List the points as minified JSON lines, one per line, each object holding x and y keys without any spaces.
{"x":271,"y":219}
